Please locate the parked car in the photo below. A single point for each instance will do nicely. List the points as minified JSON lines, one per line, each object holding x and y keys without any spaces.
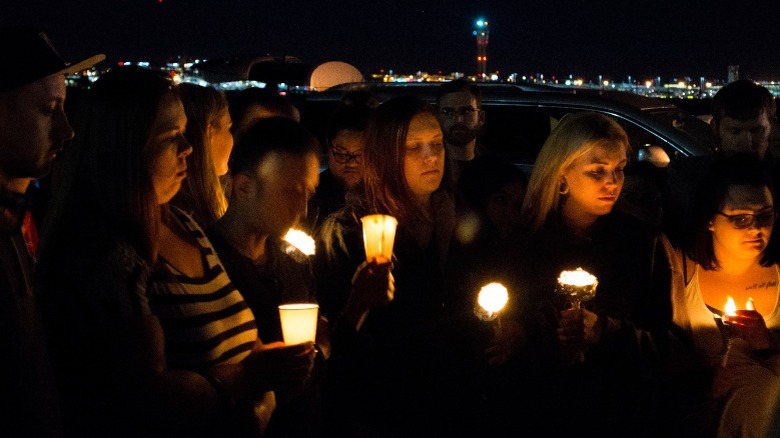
{"x":519,"y":117}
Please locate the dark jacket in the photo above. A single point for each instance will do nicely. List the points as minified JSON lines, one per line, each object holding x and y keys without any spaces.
{"x":616,"y":382}
{"x":411,"y":369}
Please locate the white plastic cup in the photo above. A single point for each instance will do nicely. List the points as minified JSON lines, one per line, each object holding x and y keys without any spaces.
{"x":299,"y":322}
{"x":378,"y":236}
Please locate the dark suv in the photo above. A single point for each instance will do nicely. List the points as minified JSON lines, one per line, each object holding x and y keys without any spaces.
{"x":519,"y":117}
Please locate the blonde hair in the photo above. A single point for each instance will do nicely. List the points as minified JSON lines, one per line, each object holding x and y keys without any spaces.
{"x":576,"y":135}
{"x":201,"y":193}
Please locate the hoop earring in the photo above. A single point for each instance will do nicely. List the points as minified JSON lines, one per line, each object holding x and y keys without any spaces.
{"x":564,"y":188}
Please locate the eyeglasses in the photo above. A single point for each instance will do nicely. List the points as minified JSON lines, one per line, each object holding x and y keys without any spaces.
{"x":742,"y":221}
{"x":346,"y":158}
{"x":464,"y":111}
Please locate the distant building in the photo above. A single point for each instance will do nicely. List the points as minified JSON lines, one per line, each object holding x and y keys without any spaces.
{"x":733,"y":73}
{"x":482,"y":33}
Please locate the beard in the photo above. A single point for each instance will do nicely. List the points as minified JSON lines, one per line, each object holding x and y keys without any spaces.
{"x":460,"y":135}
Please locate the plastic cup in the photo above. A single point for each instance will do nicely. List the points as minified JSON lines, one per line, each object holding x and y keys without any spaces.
{"x":378,"y":236}
{"x":299,"y":322}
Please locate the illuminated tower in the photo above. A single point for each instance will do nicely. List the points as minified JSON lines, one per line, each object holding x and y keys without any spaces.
{"x":482,"y":33}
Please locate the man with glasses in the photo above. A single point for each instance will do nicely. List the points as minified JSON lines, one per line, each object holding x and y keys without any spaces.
{"x":743,"y":113}
{"x":461,"y":117}
{"x":344,"y":140}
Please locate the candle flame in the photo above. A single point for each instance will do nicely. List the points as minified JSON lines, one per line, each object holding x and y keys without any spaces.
{"x":493,"y":297}
{"x":749,"y":305}
{"x":300,"y":240}
{"x":731,"y":307}
{"x":577,"y":277}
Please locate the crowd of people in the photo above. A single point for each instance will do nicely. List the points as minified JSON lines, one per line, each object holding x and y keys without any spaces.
{"x":139,"y":293}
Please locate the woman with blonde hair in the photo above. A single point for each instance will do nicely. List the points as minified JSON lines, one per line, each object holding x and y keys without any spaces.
{"x":208,"y":131}
{"x":596,"y":362}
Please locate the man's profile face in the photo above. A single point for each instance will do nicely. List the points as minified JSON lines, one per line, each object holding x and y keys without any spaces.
{"x":33,"y":127}
{"x":751,"y":135}
{"x":284,"y":184}
{"x":460,"y":117}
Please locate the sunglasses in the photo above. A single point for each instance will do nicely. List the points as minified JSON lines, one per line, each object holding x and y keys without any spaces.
{"x":760,"y":220}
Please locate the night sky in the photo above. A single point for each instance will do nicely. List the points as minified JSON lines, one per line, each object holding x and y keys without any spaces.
{"x":554,"y":37}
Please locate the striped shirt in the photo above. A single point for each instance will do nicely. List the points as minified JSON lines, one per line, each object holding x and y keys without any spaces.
{"x":206,"y":320}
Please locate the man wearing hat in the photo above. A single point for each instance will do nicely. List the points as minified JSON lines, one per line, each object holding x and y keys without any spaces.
{"x":33,"y":129}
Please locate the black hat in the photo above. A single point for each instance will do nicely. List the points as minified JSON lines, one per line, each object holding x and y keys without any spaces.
{"x":27,"y":56}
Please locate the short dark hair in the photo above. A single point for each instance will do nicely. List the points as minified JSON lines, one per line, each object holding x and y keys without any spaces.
{"x":347,"y":117}
{"x":273,"y":134}
{"x":726,"y":171}
{"x":457,"y":86}
{"x":266,"y":98}
{"x":743,"y":100}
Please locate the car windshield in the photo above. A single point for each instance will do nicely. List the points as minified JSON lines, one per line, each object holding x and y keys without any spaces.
{"x":696,"y":128}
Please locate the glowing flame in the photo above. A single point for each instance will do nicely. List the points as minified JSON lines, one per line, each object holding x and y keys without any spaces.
{"x":731,"y":307}
{"x":493,"y":297}
{"x":302,"y":241}
{"x":577,"y":277}
{"x":749,"y":305}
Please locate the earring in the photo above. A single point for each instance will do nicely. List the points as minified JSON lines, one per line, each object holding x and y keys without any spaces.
{"x":564,"y":188}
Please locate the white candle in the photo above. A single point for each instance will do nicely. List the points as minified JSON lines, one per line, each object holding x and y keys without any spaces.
{"x":299,"y":322}
{"x":379,"y":236}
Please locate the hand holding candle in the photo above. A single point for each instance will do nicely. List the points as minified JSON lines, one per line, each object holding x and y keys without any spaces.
{"x":578,"y":286}
{"x":748,"y":325}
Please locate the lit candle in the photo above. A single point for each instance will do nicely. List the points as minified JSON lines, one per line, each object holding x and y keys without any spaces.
{"x":299,"y":322}
{"x":492,"y":298}
{"x":579,"y":285}
{"x":378,"y":236}
{"x":730,"y":309}
{"x":749,"y":305}
{"x":300,"y":240}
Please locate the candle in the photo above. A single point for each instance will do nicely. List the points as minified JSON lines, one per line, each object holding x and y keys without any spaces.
{"x":491,"y":299}
{"x":299,"y":322}
{"x":579,"y":285}
{"x":730,"y":309}
{"x":300,"y":240}
{"x":378,"y":236}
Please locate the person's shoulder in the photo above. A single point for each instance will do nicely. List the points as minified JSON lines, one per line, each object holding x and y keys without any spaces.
{"x":626,"y":223}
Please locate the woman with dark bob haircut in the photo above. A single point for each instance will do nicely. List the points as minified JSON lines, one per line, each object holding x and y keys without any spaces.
{"x":728,"y":257}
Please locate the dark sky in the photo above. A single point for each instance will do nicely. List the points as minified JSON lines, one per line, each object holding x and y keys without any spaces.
{"x":555,"y":37}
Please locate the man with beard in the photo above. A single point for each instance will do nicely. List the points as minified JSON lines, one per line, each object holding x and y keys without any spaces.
{"x":33,"y":129}
{"x":743,"y":113}
{"x":461,"y":117}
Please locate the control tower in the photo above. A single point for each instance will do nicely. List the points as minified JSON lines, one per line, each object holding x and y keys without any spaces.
{"x":482,"y":33}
